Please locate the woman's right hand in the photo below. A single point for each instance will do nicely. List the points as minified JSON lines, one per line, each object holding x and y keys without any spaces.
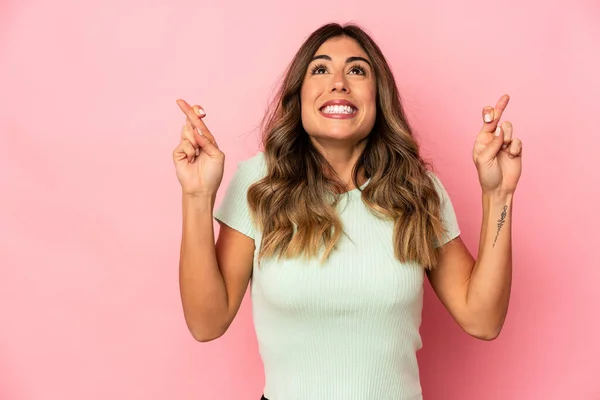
{"x":198,"y":161}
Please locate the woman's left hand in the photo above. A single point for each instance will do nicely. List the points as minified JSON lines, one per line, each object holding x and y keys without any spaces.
{"x":496,"y":153}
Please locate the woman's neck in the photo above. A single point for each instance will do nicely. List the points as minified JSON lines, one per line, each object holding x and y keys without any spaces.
{"x":342,"y":159}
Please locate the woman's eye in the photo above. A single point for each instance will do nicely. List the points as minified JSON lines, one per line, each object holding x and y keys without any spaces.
{"x":320,"y":70}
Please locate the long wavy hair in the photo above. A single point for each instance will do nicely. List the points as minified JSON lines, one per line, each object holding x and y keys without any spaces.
{"x":295,"y":203}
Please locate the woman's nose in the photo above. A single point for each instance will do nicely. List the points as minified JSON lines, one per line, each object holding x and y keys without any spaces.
{"x":340,"y":84}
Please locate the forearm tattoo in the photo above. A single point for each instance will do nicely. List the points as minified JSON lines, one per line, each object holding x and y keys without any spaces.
{"x":501,"y":222}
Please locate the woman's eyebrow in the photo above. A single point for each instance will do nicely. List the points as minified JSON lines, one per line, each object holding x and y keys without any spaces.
{"x":348,"y":60}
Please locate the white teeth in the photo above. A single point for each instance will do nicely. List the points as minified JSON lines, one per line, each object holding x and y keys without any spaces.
{"x":339,"y":110}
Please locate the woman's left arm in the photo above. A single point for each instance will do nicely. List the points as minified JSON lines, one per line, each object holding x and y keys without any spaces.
{"x":477,"y":292}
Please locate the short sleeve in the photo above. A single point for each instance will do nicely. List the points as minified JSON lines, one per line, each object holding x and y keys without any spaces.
{"x":448,"y":216}
{"x":234,"y":210}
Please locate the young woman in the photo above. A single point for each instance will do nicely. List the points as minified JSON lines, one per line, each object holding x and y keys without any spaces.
{"x":337,"y":222}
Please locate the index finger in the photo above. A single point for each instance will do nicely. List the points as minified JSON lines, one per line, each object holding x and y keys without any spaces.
{"x":195,"y":120}
{"x":497,"y":114}
{"x":191,"y":114}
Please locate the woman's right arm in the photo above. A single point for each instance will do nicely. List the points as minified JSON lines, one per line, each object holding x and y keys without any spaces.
{"x":212,"y":278}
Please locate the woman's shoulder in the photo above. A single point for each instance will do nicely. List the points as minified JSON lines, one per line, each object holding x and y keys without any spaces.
{"x":439,"y":186}
{"x":437,"y":182}
{"x":257,"y":160}
{"x":433,"y":177}
{"x":253,"y":168}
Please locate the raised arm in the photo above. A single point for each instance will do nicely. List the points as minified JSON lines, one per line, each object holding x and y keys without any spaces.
{"x":477,"y":292}
{"x":212,"y":278}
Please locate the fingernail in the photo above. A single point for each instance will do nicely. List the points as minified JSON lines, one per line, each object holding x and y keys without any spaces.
{"x":200,"y":112}
{"x":504,"y":146}
{"x":487,"y":118}
{"x":497,"y":132}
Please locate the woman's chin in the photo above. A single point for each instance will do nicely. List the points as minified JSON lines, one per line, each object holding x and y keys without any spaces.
{"x":341,"y":135}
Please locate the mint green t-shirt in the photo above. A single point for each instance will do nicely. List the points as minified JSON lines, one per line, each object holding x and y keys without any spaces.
{"x":344,"y":330}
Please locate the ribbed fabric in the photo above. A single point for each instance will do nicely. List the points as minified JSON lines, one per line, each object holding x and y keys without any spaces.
{"x":345,"y":330}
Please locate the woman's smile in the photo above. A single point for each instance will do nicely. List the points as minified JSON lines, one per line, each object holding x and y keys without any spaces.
{"x":338,"y":109}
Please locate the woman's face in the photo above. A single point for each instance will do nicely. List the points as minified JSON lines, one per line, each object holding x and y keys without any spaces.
{"x":338,"y":94}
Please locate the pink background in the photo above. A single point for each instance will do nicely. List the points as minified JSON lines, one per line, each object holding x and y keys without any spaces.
{"x":90,"y":205}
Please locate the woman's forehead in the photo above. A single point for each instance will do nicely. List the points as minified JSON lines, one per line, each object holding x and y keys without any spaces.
{"x":341,"y":47}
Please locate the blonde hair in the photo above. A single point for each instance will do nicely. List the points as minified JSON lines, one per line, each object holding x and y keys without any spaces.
{"x":289,"y":205}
